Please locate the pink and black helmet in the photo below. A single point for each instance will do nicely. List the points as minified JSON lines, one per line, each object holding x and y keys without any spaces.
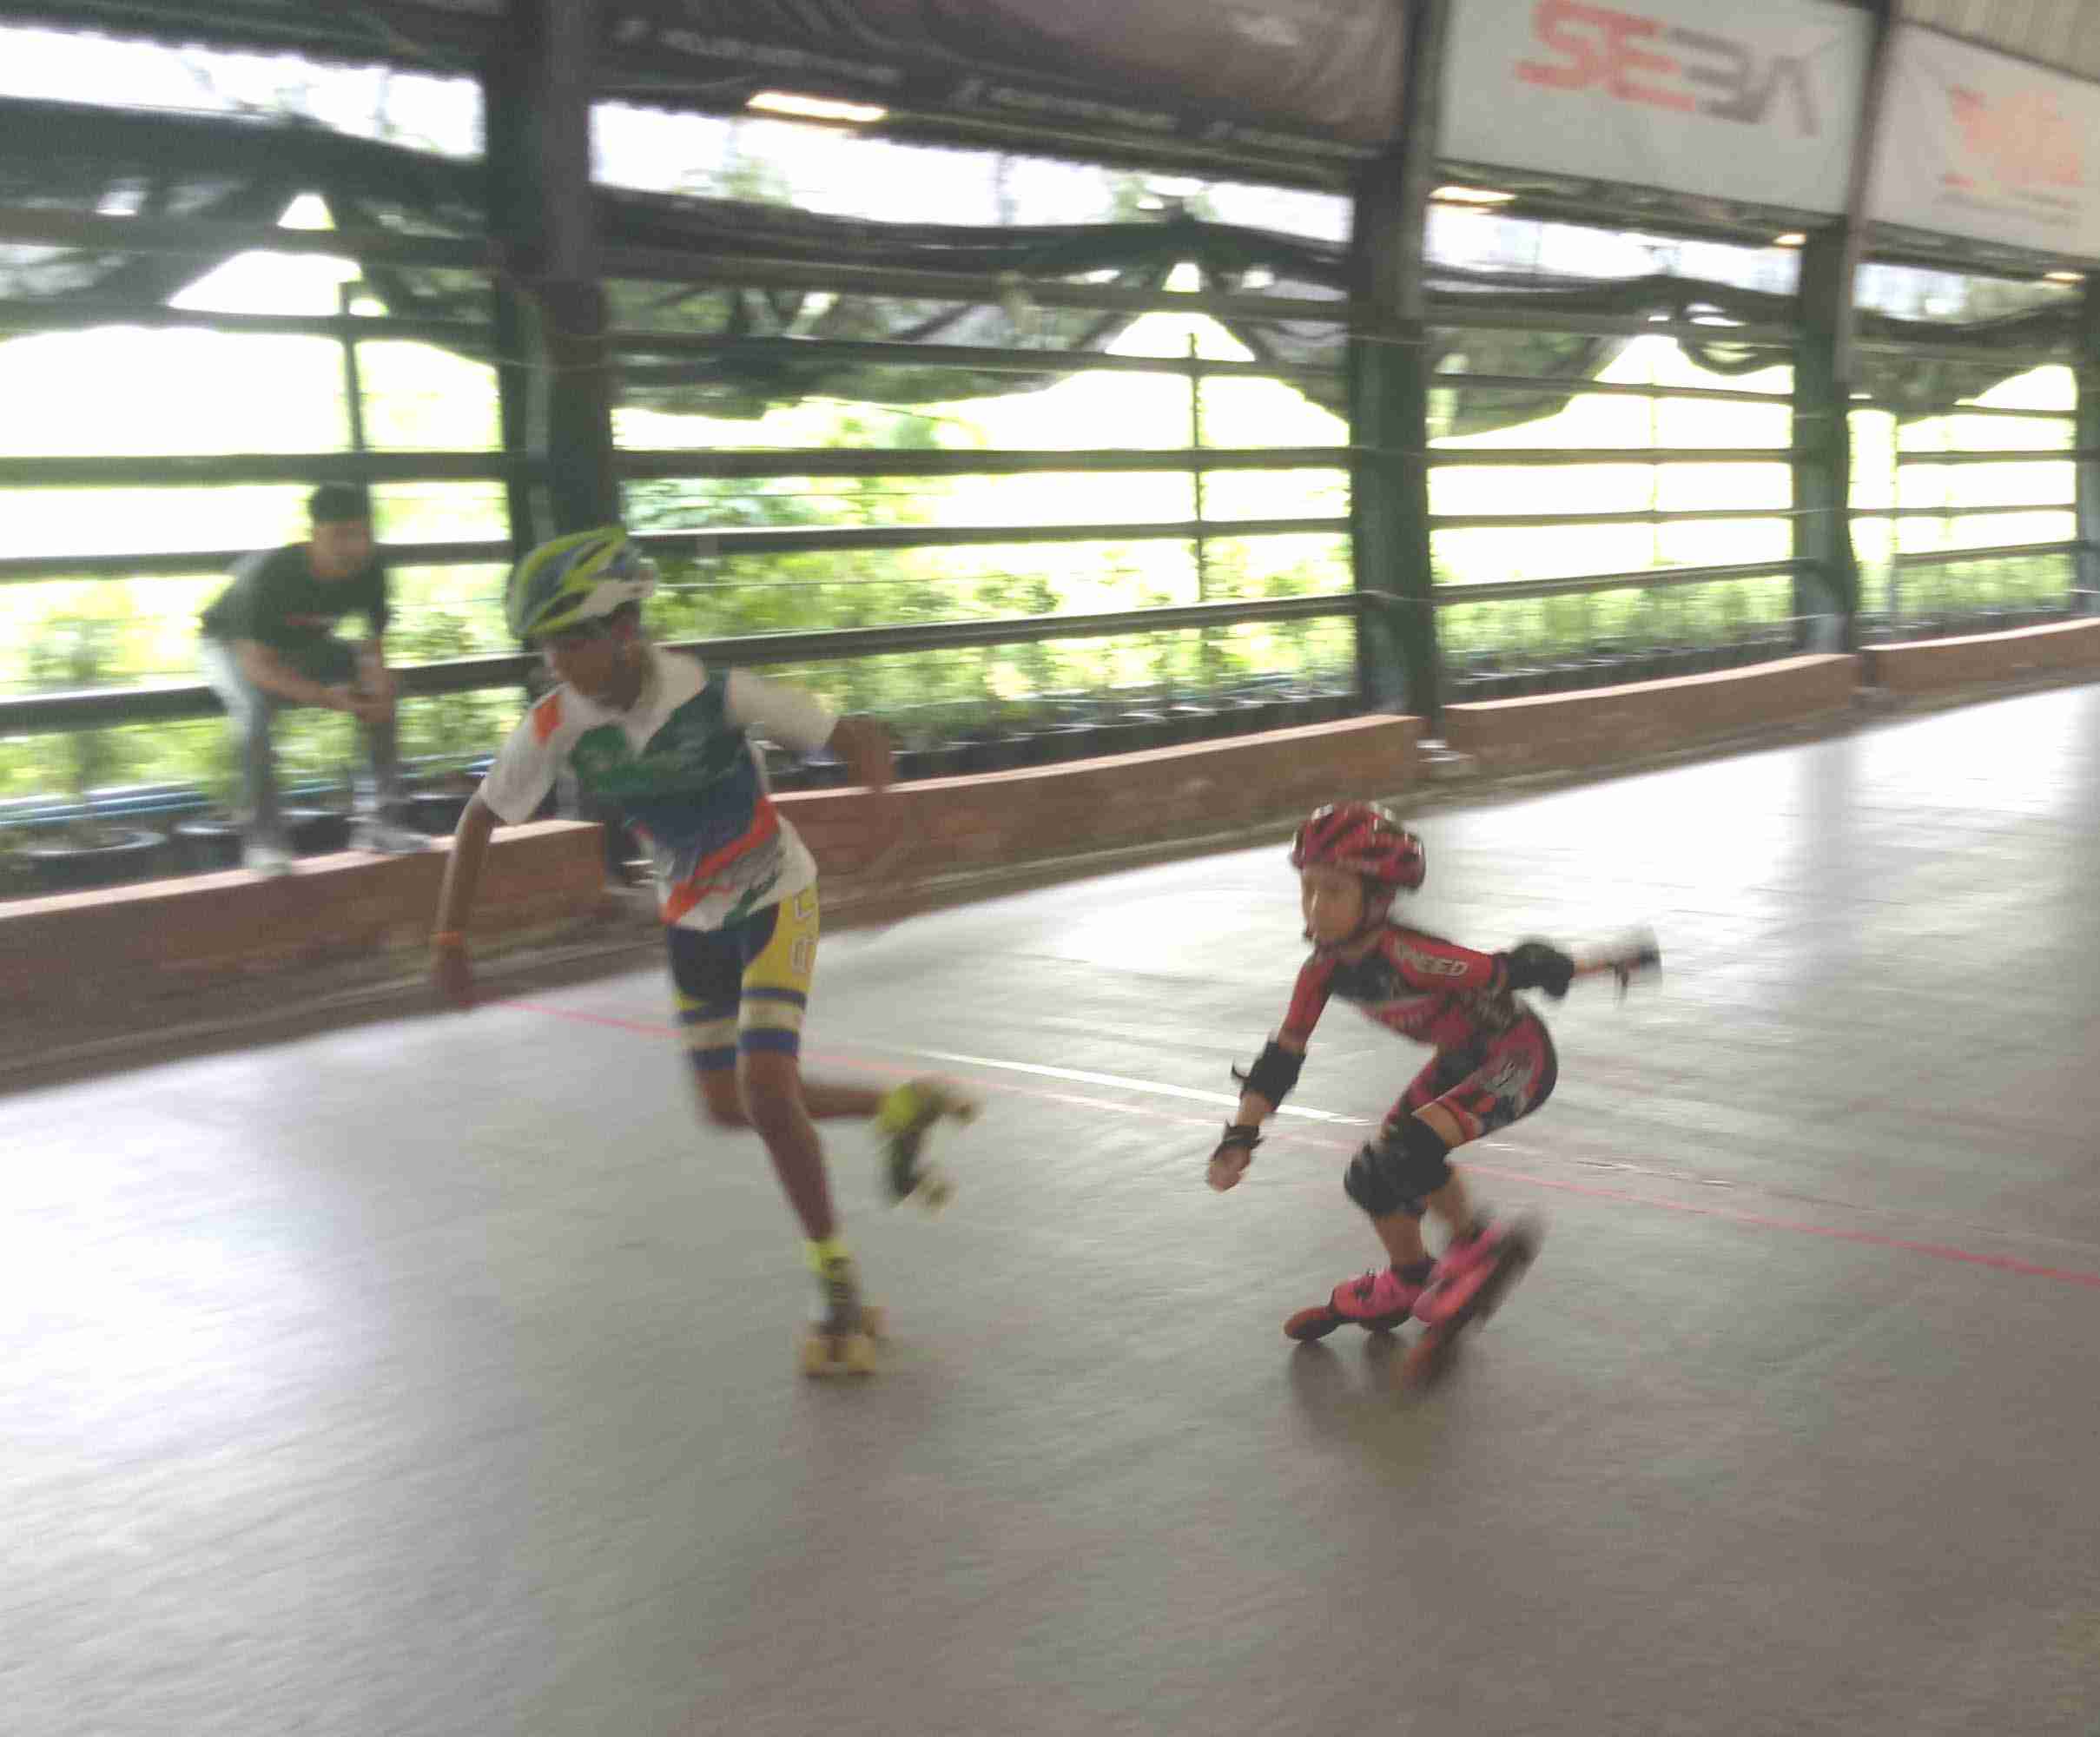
{"x":1361,"y":838}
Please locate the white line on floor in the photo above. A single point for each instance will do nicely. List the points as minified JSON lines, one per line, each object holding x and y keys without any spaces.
{"x":1151,"y":1086}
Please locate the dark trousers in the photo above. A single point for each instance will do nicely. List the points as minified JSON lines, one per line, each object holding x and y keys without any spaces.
{"x":250,"y":709}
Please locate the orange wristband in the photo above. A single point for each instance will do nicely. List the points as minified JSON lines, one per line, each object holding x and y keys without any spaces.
{"x":448,"y":937}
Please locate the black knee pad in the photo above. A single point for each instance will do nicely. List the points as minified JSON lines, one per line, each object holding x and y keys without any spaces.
{"x":1393,"y":1173}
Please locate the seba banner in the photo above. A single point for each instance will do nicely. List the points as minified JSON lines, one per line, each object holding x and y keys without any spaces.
{"x":1981,"y":144}
{"x":1754,"y":102}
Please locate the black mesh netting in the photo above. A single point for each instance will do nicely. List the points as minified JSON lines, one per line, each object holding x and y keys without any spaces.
{"x":245,"y":170}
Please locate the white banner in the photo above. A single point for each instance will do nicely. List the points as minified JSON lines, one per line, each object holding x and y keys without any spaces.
{"x":1754,"y":102}
{"x":1980,"y":144}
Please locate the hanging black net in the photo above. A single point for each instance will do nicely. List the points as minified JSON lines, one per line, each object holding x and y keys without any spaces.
{"x":797,"y":341}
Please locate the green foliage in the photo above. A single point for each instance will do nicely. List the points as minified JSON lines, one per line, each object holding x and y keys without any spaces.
{"x":81,"y":632}
{"x":73,"y":651}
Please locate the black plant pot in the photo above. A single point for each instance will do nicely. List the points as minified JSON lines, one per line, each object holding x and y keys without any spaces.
{"x":1017,"y":748}
{"x":1150,"y":729}
{"x":213,"y":840}
{"x":1026,"y":747}
{"x":1103,"y":739}
{"x":437,"y":812}
{"x":112,"y":856}
{"x":207,"y":842}
{"x":1062,"y":742}
{"x":944,"y":761}
{"x":994,"y":754}
{"x":317,"y":832}
{"x":1520,"y":683}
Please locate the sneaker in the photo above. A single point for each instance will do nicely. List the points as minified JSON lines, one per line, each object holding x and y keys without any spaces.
{"x":272,"y":860}
{"x":383,"y":838}
{"x":1379,"y":1298}
{"x":907,"y":1112}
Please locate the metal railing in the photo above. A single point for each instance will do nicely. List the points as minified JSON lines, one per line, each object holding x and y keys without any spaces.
{"x":100,"y":708}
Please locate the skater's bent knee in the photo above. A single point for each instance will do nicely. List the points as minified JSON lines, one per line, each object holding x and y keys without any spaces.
{"x":1395,"y":1171}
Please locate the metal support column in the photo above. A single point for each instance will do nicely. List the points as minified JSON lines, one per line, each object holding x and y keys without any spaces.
{"x":1825,"y":373}
{"x":1388,"y":387}
{"x":511,"y":326}
{"x":354,"y":377}
{"x":2086,"y":440}
{"x":1822,"y":439}
{"x":538,"y":86}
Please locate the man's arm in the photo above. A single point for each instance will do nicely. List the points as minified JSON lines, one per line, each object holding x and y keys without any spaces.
{"x":274,"y":676}
{"x":373,"y":675}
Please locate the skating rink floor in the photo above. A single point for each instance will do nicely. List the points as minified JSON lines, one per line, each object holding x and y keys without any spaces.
{"x":436,"y":1375}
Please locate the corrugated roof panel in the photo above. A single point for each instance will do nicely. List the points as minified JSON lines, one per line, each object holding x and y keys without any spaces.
{"x":2059,"y":33}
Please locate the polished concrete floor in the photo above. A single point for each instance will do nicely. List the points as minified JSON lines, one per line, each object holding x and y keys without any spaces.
{"x":435,"y":1376}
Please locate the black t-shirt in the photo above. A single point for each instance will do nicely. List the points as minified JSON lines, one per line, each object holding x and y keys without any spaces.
{"x":276,"y":600}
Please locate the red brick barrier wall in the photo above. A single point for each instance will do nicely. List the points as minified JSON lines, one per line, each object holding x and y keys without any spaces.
{"x":62,"y":956}
{"x":1929,"y":665}
{"x":1560,"y":731}
{"x":1011,"y":818}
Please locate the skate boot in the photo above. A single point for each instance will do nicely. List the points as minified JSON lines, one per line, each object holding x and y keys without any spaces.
{"x":1472,"y":1288}
{"x":908,"y":1113}
{"x":844,"y":1333}
{"x":1377,"y":1302}
{"x":1476,"y":1271}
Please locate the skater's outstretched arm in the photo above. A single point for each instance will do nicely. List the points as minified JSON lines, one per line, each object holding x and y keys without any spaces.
{"x":1273,"y":1073}
{"x":451,"y":972}
{"x":1429,"y":962}
{"x":1265,"y":1085}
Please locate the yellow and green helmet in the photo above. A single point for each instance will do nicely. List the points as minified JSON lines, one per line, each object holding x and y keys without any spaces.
{"x":574,"y":579}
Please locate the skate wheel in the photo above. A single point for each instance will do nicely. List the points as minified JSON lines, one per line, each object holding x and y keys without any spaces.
{"x":934,"y":1190}
{"x":1315,"y":1322}
{"x":1429,"y":1356}
{"x":1521,"y":1249}
{"x":833,"y":1354}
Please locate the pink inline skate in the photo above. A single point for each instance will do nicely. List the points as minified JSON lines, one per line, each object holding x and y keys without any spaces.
{"x":1377,"y":1302}
{"x":1469,"y":1285}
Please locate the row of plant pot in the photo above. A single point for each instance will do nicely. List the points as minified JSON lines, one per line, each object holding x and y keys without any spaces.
{"x":1002,"y":746}
{"x":1506,"y":676}
{"x":1954,"y":624}
{"x":82,"y":853}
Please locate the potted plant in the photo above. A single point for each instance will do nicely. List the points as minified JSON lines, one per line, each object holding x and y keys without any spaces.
{"x":211,"y":839}
{"x":91,"y":849}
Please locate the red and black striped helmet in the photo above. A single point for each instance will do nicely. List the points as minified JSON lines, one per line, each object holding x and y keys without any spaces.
{"x":1360,"y":838}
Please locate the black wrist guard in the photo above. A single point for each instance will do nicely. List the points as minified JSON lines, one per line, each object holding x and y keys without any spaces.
{"x":1539,"y":965}
{"x":1238,"y":1137}
{"x":1275,"y":1071}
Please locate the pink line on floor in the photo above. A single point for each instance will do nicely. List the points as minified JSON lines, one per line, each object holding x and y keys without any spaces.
{"x":1995,"y":1263}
